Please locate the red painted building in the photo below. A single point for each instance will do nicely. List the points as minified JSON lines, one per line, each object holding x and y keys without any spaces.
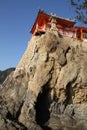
{"x":63,"y":26}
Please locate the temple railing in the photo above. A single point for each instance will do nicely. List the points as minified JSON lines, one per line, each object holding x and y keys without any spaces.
{"x":84,"y":36}
{"x":68,"y":32}
{"x":40,"y":27}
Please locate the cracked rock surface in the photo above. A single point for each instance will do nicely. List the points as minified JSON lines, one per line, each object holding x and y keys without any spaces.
{"x":48,"y":89}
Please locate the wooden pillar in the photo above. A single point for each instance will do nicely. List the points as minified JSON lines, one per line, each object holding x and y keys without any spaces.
{"x":36,"y":29}
{"x":81,"y":37}
{"x":44,"y":25}
{"x":75,"y":33}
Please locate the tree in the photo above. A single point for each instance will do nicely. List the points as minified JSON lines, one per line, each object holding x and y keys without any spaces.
{"x":80,"y":7}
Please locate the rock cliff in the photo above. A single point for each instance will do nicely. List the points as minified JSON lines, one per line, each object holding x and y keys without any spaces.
{"x":48,"y":89}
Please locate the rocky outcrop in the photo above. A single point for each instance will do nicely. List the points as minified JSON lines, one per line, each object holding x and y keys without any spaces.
{"x":4,"y":74}
{"x":48,"y":89}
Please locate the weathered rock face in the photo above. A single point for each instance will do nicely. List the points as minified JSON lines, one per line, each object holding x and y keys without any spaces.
{"x":48,"y":89}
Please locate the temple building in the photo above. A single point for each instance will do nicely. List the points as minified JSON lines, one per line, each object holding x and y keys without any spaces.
{"x":65,"y":27}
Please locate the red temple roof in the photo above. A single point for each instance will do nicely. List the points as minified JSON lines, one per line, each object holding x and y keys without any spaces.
{"x":44,"y":17}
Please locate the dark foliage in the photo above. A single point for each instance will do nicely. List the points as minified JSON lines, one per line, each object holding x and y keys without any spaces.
{"x":80,"y":7}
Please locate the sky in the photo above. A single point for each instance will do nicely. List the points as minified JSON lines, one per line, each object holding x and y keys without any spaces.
{"x":16,"y":20}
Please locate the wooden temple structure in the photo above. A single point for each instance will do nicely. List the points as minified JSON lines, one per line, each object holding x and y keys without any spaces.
{"x":64,"y":27}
